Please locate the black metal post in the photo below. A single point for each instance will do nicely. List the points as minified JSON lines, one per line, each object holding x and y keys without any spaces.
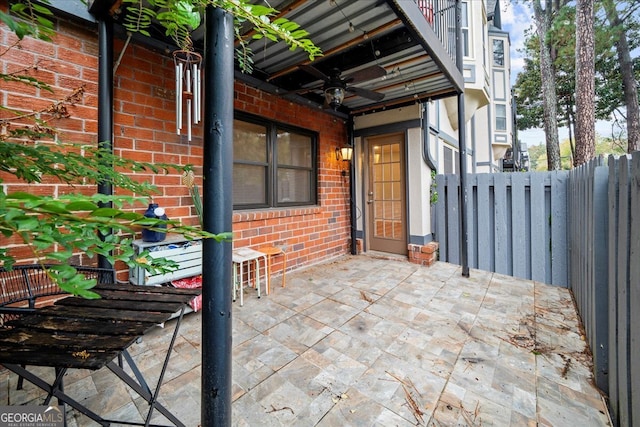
{"x":105,"y":103}
{"x":217,"y":213}
{"x":352,"y":190}
{"x":462,"y":158}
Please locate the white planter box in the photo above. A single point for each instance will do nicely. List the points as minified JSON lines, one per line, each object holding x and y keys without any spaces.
{"x":187,"y":253}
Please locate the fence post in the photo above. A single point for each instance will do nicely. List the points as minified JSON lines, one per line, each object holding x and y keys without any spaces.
{"x":634,"y":282}
{"x":600,"y":341}
{"x":622,"y":295}
{"x":613,"y":197}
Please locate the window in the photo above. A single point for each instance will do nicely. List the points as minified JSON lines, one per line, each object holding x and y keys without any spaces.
{"x":498,"y":52}
{"x":448,"y":160}
{"x":273,"y":165}
{"x":464,"y":25}
{"x":501,"y":117}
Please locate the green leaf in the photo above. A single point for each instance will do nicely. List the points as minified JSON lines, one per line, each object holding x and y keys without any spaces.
{"x":61,"y":256}
{"x":27,"y":223}
{"x":41,"y":9}
{"x":129,"y":216}
{"x":259,"y":10}
{"x":82,"y":205}
{"x":54,"y":207}
{"x":105,"y":212}
{"x":86,"y":294}
{"x":19,"y":195}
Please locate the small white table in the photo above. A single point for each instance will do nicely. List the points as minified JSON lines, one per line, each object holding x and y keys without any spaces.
{"x":242,"y":256}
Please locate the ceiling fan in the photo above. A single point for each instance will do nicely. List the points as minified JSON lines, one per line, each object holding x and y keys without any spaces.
{"x":335,"y":85}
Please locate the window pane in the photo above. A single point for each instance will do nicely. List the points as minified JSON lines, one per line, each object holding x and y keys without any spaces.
{"x":249,"y":142}
{"x":465,"y":42}
{"x":294,"y":186}
{"x":501,"y":117}
{"x":464,"y":25}
{"x":448,"y":160}
{"x":498,"y":52}
{"x":464,"y":14}
{"x":294,"y":149}
{"x":249,"y":184}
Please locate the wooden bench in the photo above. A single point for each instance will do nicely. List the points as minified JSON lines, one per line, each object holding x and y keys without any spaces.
{"x":42,"y":327}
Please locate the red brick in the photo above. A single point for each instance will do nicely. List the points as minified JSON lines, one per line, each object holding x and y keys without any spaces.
{"x":144,"y":130}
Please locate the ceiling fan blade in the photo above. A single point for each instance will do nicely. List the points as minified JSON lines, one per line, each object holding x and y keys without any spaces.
{"x":366,"y":93}
{"x":314,"y":72}
{"x":369,"y":73}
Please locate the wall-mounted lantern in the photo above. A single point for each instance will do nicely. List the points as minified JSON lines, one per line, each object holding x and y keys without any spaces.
{"x":344,"y":153}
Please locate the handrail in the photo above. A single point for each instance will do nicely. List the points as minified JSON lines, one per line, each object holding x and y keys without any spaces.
{"x":440,"y":15}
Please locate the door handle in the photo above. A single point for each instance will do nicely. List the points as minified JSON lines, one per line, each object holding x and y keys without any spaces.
{"x":369,"y":201}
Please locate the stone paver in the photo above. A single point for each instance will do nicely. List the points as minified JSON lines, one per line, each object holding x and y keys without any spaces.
{"x":364,"y":341}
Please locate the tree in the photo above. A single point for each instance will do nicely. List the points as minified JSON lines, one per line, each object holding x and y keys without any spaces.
{"x":543,"y":18}
{"x":585,"y":83}
{"x":609,"y":95}
{"x":528,"y":87}
{"x":54,"y":228}
{"x":629,"y":82}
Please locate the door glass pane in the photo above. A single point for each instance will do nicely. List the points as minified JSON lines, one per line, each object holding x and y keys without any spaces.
{"x":395,"y":153}
{"x":388,"y":192}
{"x":396,"y":191}
{"x":397,"y":230}
{"x":377,"y":155}
{"x":378,"y":210}
{"x":397,"y":210}
{"x":377,"y":191}
{"x":395,"y":172}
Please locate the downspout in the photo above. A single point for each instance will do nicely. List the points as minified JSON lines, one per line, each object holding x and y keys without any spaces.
{"x":218,"y":214}
{"x":426,"y":153}
{"x":429,"y":161}
{"x":352,"y":187}
{"x":462,"y":157}
{"x":105,"y":104}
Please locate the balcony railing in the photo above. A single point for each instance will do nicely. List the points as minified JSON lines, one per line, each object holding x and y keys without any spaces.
{"x":441,"y":16}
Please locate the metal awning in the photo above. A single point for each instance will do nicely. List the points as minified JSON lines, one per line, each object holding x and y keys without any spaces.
{"x":413,"y":41}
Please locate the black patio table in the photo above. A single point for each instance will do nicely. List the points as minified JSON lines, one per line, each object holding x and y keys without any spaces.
{"x":91,"y":334}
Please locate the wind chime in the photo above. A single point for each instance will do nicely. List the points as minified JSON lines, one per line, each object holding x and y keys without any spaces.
{"x":188,"y":88}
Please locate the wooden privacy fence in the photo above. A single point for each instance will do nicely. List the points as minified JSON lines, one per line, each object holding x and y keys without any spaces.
{"x":604,"y":259}
{"x":516,"y":223}
{"x":579,"y":229}
{"x":623,"y":276}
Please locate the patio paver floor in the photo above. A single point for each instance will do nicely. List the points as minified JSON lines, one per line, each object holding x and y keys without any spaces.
{"x":364,"y":341}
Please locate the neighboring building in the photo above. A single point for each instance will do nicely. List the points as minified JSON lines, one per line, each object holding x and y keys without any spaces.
{"x":488,"y":106}
{"x":290,"y":187}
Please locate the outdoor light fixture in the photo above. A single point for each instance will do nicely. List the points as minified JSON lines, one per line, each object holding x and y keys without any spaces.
{"x":334,"y":95}
{"x":344,"y":153}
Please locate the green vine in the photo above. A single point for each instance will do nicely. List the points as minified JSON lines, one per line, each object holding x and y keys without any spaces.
{"x":180,"y":18}
{"x":433,"y":193}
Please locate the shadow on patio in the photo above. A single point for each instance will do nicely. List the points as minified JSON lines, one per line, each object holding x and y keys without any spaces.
{"x":368,"y":341}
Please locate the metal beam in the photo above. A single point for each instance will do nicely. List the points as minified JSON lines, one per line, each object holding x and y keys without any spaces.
{"x":217,"y":216}
{"x":105,"y":104}
{"x":462,"y":158}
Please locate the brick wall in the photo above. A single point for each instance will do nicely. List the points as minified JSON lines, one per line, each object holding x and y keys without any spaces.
{"x":144,"y":129}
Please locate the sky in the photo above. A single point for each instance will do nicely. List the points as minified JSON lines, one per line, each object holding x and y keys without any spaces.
{"x":517,"y":17}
